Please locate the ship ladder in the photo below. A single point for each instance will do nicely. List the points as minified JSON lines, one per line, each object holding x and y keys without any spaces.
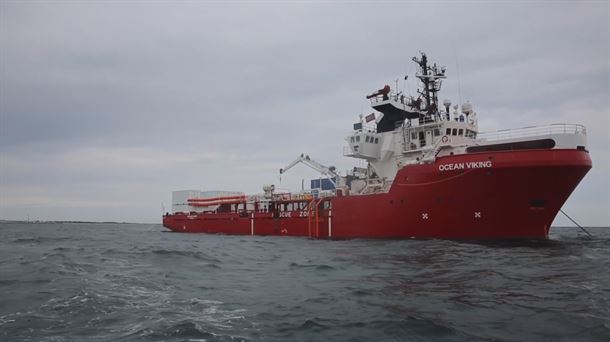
{"x":313,"y":216}
{"x":309,"y":205}
{"x":318,"y":219}
{"x":310,"y":210}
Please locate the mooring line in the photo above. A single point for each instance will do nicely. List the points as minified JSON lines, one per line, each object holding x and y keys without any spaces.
{"x":579,"y":226}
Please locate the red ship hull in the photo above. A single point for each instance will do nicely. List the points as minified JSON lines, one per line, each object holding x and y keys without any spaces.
{"x":490,"y":195}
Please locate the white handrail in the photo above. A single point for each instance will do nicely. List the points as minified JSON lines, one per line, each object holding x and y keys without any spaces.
{"x":532,"y":131}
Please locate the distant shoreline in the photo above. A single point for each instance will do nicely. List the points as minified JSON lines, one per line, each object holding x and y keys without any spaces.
{"x":69,"y":221}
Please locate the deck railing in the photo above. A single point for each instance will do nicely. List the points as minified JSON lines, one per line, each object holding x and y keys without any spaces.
{"x":533,"y":131}
{"x":398,"y":97}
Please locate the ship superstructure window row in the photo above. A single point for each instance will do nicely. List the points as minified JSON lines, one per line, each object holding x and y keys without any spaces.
{"x":462,"y":132}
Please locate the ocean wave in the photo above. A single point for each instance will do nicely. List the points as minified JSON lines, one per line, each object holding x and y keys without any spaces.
{"x":320,"y":267}
{"x":188,"y":254}
{"x":185,"y":329}
{"x":41,"y":239}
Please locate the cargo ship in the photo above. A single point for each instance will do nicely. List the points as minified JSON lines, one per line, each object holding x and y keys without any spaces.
{"x":429,"y":173}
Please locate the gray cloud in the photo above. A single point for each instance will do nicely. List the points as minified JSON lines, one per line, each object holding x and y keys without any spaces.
{"x":129,"y":101}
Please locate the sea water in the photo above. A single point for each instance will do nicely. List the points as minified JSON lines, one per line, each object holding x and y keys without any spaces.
{"x":138,"y":282}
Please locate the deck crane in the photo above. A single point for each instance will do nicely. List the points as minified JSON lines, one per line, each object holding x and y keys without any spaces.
{"x":328,"y":171}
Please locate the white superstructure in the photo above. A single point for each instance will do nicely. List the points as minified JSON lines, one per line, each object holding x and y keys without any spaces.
{"x":407,"y":130}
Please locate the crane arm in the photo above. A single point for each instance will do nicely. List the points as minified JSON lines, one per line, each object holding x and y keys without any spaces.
{"x":291,"y":165}
{"x":325,"y":170}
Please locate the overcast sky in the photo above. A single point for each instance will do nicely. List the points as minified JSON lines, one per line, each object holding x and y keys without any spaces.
{"x":106,"y":107}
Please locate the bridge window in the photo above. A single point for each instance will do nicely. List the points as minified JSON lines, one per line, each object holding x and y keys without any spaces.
{"x":454,"y":131}
{"x":376,"y":140}
{"x":413,"y":135}
{"x":448,"y":131}
{"x":351,"y":139}
{"x":357,"y":138}
{"x":437,"y":132}
{"x":461,"y":132}
{"x":367,"y":138}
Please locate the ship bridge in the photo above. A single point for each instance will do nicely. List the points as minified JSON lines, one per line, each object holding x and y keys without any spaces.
{"x":396,"y":107}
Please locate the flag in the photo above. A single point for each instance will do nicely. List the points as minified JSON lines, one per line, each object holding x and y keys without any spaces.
{"x":370,"y":117}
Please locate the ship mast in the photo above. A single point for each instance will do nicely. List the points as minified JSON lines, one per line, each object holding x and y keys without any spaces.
{"x":431,"y":77}
{"x":396,"y":109}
